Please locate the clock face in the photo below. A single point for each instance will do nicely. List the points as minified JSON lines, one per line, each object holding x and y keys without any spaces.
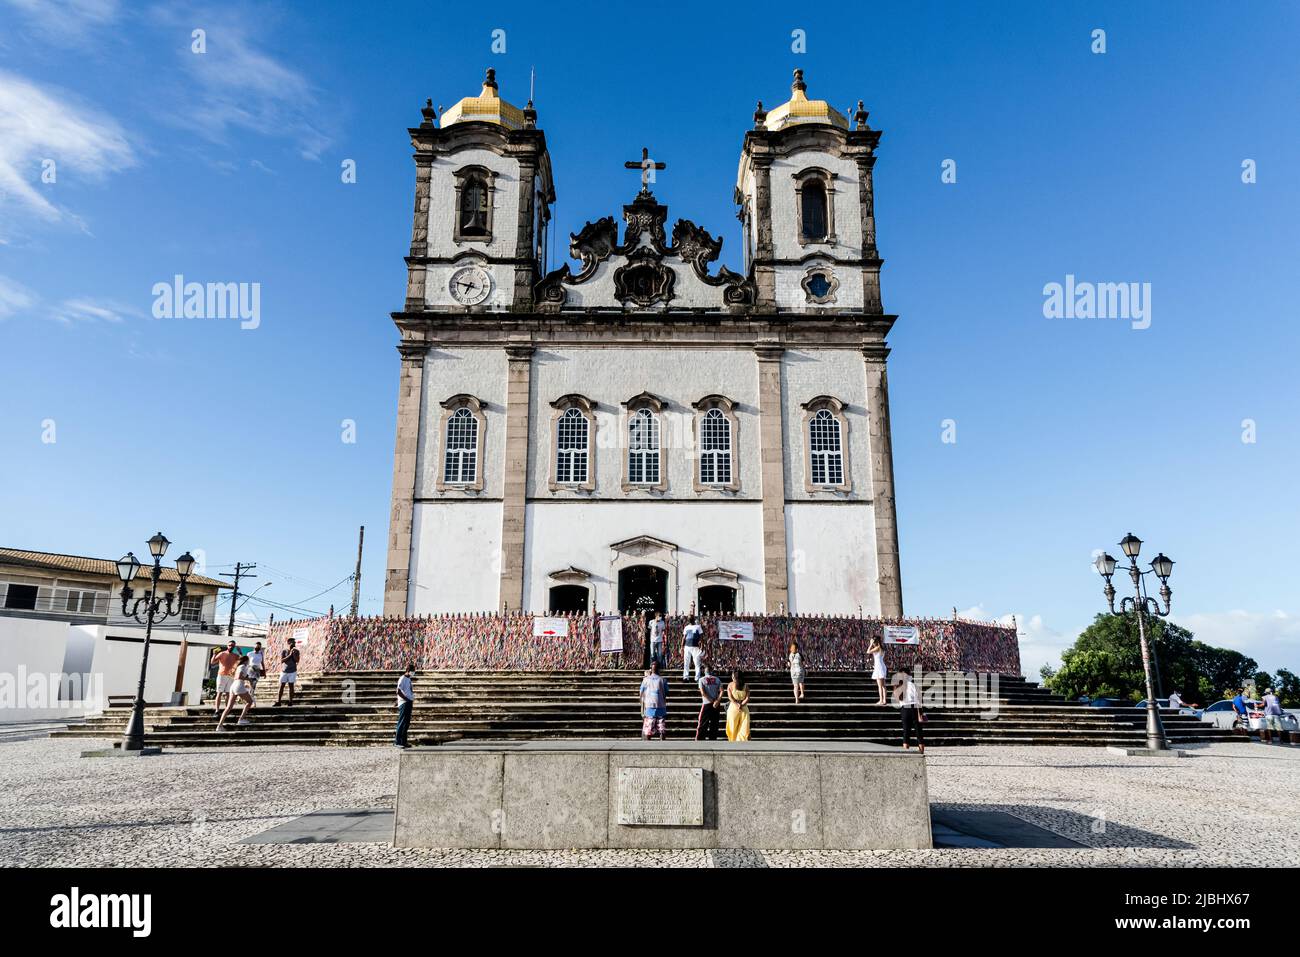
{"x":470,"y":285}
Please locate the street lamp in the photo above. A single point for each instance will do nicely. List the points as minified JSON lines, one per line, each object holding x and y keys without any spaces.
{"x":152,"y":607}
{"x":1142,"y":604}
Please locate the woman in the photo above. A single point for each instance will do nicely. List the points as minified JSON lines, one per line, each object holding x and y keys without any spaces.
{"x":909,"y":701}
{"x":242,"y":690}
{"x":738,"y":709}
{"x":795,"y":661}
{"x":877,"y":652}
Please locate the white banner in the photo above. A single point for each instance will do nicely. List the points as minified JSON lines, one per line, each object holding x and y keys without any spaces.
{"x":550,"y":628}
{"x":300,"y":636}
{"x":611,"y":633}
{"x":735,"y":631}
{"x":901,"y":635}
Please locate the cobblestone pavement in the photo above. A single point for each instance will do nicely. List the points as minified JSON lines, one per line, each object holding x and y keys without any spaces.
{"x":1227,"y":804}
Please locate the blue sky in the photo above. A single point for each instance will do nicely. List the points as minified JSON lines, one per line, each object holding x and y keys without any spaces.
{"x":1123,"y":166}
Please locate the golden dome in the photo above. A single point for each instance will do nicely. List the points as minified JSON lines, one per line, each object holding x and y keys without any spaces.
{"x":487,"y":107}
{"x":800,"y":109}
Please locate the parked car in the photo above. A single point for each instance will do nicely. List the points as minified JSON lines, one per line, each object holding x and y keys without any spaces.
{"x":1109,"y":703}
{"x":1163,"y":703}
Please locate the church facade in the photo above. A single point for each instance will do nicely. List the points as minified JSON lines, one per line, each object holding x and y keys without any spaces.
{"x":641,"y":428}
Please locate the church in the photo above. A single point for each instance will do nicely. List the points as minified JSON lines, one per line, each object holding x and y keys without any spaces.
{"x":642,"y":428}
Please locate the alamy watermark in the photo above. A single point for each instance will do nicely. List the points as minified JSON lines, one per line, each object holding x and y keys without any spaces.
{"x":1098,"y":300}
{"x":179,"y":299}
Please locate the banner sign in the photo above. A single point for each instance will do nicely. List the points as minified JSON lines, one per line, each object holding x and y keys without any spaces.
{"x":550,"y":628}
{"x":901,"y":635}
{"x":735,"y":631}
{"x":611,"y":634}
{"x":300,"y":636}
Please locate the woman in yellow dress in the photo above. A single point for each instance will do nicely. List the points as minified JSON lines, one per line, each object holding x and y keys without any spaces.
{"x":738,"y":709}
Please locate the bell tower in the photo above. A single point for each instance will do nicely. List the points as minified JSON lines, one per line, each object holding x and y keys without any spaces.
{"x":805,"y":195}
{"x":483,"y":199}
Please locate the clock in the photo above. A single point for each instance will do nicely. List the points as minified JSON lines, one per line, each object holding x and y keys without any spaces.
{"x":470,"y":285}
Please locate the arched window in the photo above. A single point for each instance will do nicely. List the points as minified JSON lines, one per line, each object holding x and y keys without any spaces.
{"x":460,"y":463}
{"x":572,"y":431}
{"x":474,"y":208}
{"x":643,"y":448}
{"x":825,"y":451}
{"x":715,"y":449}
{"x":461,"y":430}
{"x":814,"y":206}
{"x":813,"y":209}
{"x":474,"y":187}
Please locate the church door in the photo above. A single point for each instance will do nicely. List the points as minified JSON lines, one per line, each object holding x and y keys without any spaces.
{"x":717,"y":600}
{"x":643,"y":588}
{"x":569,"y":599}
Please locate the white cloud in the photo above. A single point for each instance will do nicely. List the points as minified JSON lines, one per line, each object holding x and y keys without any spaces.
{"x":1039,"y":644}
{"x":14,"y":297}
{"x":240,"y":86}
{"x":1271,"y":638}
{"x":36,"y":125}
{"x":66,"y":23}
{"x":89,"y":310}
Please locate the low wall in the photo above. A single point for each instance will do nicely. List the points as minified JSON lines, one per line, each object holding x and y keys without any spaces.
{"x":694,"y":794}
{"x":486,"y":642}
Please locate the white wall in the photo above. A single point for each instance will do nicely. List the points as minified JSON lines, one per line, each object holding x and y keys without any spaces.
{"x":677,"y":375}
{"x":477,"y":372}
{"x":32,"y":648}
{"x":841,"y":374}
{"x":455,"y":557}
{"x":707,"y":535}
{"x":832,"y":558}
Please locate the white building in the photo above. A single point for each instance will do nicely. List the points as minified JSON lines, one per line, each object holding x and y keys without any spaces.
{"x":644,"y":430}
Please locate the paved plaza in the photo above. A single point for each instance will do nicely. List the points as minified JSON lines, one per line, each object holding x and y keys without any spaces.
{"x":1225,"y":804}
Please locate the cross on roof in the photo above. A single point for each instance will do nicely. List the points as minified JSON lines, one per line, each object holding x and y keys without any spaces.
{"x":645,"y":165}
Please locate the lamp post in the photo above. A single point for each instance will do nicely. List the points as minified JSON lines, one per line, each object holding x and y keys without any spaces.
{"x":1142,"y":604}
{"x":153,"y":608}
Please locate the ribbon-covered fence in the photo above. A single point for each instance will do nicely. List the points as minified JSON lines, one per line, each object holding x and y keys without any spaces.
{"x":496,"y":642}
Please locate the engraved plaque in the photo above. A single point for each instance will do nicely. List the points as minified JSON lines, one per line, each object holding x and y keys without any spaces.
{"x":666,"y":797}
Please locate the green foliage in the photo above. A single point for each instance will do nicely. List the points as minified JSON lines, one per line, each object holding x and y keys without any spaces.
{"x":1106,"y":662}
{"x":1288,"y":688}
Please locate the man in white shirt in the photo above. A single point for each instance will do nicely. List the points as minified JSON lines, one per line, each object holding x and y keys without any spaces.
{"x":1176,"y":701}
{"x":405,"y":705}
{"x":692,"y":641}
{"x":658,"y":628}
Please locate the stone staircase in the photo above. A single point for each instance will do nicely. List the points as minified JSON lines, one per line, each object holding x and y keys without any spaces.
{"x":357,"y":709}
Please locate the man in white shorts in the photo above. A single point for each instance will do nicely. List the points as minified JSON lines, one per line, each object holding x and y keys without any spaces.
{"x":288,"y":673}
{"x":226,"y":659}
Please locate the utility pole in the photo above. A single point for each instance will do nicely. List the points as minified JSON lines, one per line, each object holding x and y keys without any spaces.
{"x":356,"y":578}
{"x":241,"y":571}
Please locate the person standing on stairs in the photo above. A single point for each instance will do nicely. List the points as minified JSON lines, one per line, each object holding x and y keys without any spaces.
{"x":288,"y":672}
{"x":878,"y":670}
{"x":658,"y":634}
{"x":405,"y":705}
{"x":654,"y":703}
{"x":908,"y":699}
{"x":692,"y":638}
{"x":797,"y":674}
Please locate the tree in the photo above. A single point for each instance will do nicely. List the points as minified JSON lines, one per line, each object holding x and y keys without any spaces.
{"x":1106,"y":661}
{"x":1287,"y":685}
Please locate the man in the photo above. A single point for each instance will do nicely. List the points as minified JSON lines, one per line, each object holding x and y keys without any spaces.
{"x":1177,"y":703}
{"x":658,"y":628}
{"x":226,"y":660}
{"x":1272,"y":714}
{"x":1239,"y":705}
{"x":706,"y":728}
{"x":654,"y":703}
{"x":405,"y":705}
{"x":692,"y":636}
{"x":288,"y":672}
{"x":256,"y":665}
